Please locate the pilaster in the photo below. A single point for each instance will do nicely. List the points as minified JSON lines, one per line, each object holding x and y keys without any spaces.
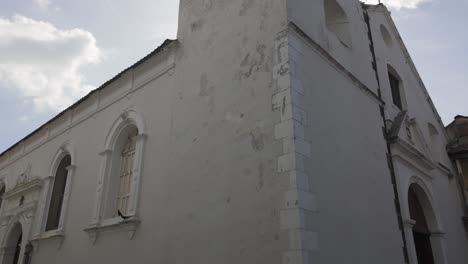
{"x":300,"y":203}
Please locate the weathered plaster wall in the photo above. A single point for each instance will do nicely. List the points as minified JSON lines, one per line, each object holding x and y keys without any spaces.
{"x":228,"y":206}
{"x":265,"y":144}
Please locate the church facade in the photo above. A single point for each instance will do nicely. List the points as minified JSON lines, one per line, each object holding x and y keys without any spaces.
{"x":270,"y":131}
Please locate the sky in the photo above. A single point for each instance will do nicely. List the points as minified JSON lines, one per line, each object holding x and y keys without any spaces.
{"x":53,"y":52}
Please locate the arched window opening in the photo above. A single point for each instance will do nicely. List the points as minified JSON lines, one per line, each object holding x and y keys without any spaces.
{"x":122,"y":173}
{"x":421,"y":232}
{"x":396,"y":88}
{"x":118,"y":185}
{"x":58,"y":192}
{"x":386,"y":36}
{"x":337,"y":21}
{"x":18,"y":249}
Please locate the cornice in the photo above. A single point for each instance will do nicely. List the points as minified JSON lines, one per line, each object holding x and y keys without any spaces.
{"x":23,"y":188}
{"x":413,"y":156}
{"x":168,"y":68}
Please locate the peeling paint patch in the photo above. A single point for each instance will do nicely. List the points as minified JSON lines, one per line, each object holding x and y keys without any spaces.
{"x":252,"y":63}
{"x":257,"y":140}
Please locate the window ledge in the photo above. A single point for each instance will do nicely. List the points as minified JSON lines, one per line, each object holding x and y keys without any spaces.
{"x":115,"y":224}
{"x":57,"y":235}
{"x":53,"y":234}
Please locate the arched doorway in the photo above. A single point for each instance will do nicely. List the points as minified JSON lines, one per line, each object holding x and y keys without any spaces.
{"x":421,"y":231}
{"x":13,"y":245}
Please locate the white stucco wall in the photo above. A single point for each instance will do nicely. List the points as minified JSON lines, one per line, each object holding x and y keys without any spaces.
{"x":263,"y":143}
{"x":356,"y":220}
{"x":210,"y":190}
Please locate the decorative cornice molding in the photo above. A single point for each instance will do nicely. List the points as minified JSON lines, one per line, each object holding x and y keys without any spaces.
{"x":129,"y":225}
{"x":408,"y":152}
{"x":169,"y":66}
{"x":56,"y":235}
{"x":28,"y":207}
{"x":22,"y":188}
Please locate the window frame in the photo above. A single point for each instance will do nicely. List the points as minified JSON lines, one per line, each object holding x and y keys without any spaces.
{"x":400,"y":101}
{"x":100,"y":221}
{"x":66,"y":149}
{"x":63,"y":194}
{"x":127,"y":162}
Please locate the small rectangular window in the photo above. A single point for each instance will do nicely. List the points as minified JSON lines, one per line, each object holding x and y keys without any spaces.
{"x":396,"y":93}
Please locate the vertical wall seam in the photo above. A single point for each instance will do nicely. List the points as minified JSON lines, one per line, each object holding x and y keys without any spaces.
{"x":388,"y":143}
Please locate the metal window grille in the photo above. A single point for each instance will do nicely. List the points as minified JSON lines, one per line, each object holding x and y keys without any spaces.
{"x":126,"y":173}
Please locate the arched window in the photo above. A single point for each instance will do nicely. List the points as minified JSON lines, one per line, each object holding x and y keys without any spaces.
{"x":57,"y":196}
{"x":119,"y":179}
{"x":337,"y":21}
{"x":122,"y":172}
{"x":386,"y":36}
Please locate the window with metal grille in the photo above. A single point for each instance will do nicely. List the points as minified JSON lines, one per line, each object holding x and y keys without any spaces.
{"x":396,"y":92}
{"x":126,"y":173}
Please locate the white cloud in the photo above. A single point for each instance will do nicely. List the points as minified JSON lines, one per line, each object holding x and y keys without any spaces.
{"x":42,"y":3}
{"x":399,"y":4}
{"x":43,"y":63}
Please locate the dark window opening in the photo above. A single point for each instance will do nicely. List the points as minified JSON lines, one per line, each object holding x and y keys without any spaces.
{"x":56,"y":200}
{"x":17,"y":250}
{"x":2,"y":192}
{"x":396,"y":92}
